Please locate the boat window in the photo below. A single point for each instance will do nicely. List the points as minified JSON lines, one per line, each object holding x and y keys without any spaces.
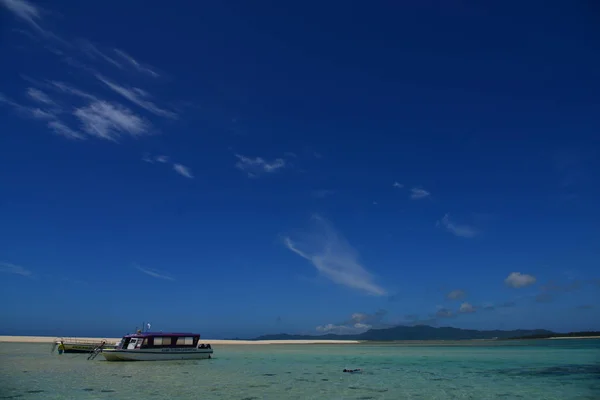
{"x":162,"y":341}
{"x":132,"y":344}
{"x":185,"y":341}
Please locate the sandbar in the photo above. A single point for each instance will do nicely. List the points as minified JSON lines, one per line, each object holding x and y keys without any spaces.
{"x":576,"y":337}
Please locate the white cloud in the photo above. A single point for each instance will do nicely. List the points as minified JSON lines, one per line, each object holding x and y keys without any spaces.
{"x":183,"y":170}
{"x":518,"y":280}
{"x":333,"y":257}
{"x":107,"y":121}
{"x":343,"y":329}
{"x":151,"y":159}
{"x":154,"y":273}
{"x":9,"y":268}
{"x":71,"y":90}
{"x":398,"y":185}
{"x":53,"y":123}
{"x":24,"y":10}
{"x":257,"y":166}
{"x":39,"y":96}
{"x":417,"y":193}
{"x":6,"y":100}
{"x":466,"y":308}
{"x":137,"y":96}
{"x":458,"y":230}
{"x":63,"y":130}
{"x":41,"y":114}
{"x":136,"y":64}
{"x":92,"y":51}
{"x":456,"y":294}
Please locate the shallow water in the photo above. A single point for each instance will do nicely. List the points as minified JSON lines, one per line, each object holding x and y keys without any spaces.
{"x":545,"y":369}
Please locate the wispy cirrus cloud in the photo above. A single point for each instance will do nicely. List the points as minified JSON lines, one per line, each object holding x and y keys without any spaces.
{"x":465,"y":231}
{"x":159,"y":159}
{"x":92,"y":51}
{"x":418,"y":193}
{"x":25,"y":11}
{"x":334,"y":258}
{"x":9,"y":268}
{"x":139,"y":67}
{"x":137,"y":96}
{"x":258,"y":166}
{"x":110,"y":121}
{"x":163,"y":159}
{"x":65,"y":88}
{"x":183,"y":170}
{"x":87,"y":114}
{"x":40,"y":96}
{"x":63,"y":130}
{"x":154,"y":273}
{"x":519,"y":280}
{"x":398,"y":185}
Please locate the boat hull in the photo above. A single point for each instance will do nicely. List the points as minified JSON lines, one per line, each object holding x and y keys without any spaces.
{"x":81,"y":345}
{"x":156,"y":355}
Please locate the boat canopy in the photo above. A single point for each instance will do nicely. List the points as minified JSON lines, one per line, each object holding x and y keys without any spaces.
{"x":153,"y":334}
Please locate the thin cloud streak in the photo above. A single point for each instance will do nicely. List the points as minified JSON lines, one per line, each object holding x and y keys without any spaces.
{"x":335,"y":258}
{"x":9,"y":268}
{"x":153,"y":273}
{"x":257,"y":166}
{"x":137,"y":96}
{"x":25,"y":11}
{"x":61,"y":129}
{"x":136,"y":64}
{"x":39,"y":96}
{"x":92,"y":52}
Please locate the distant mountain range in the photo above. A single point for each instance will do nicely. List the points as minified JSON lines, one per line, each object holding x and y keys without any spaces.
{"x":418,"y":332}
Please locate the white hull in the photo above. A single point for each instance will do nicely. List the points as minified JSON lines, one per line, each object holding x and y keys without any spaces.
{"x":156,"y":354}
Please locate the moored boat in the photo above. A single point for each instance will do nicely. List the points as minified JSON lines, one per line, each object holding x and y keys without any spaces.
{"x":78,"y":345}
{"x":158,"y":346}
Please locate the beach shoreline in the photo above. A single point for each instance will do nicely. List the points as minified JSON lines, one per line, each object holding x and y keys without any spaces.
{"x":576,"y":337}
{"x":51,"y":339}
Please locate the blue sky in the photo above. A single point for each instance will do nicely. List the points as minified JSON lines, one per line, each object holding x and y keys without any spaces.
{"x":240,"y":168}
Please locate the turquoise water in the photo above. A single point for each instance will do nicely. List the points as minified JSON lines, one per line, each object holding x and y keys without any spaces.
{"x":546,"y":369}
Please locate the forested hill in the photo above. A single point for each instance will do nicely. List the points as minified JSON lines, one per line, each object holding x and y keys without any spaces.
{"x":419,"y":332}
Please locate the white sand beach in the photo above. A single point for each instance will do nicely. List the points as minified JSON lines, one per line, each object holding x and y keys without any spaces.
{"x":50,"y":339}
{"x":576,"y":337}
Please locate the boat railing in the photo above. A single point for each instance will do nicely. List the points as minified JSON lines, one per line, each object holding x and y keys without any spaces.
{"x":72,"y":340}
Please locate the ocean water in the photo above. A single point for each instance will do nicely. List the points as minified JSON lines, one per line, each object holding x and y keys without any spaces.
{"x":545,"y":369}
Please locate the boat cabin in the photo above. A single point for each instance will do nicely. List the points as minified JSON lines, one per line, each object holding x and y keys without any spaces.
{"x":159,"y":340}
